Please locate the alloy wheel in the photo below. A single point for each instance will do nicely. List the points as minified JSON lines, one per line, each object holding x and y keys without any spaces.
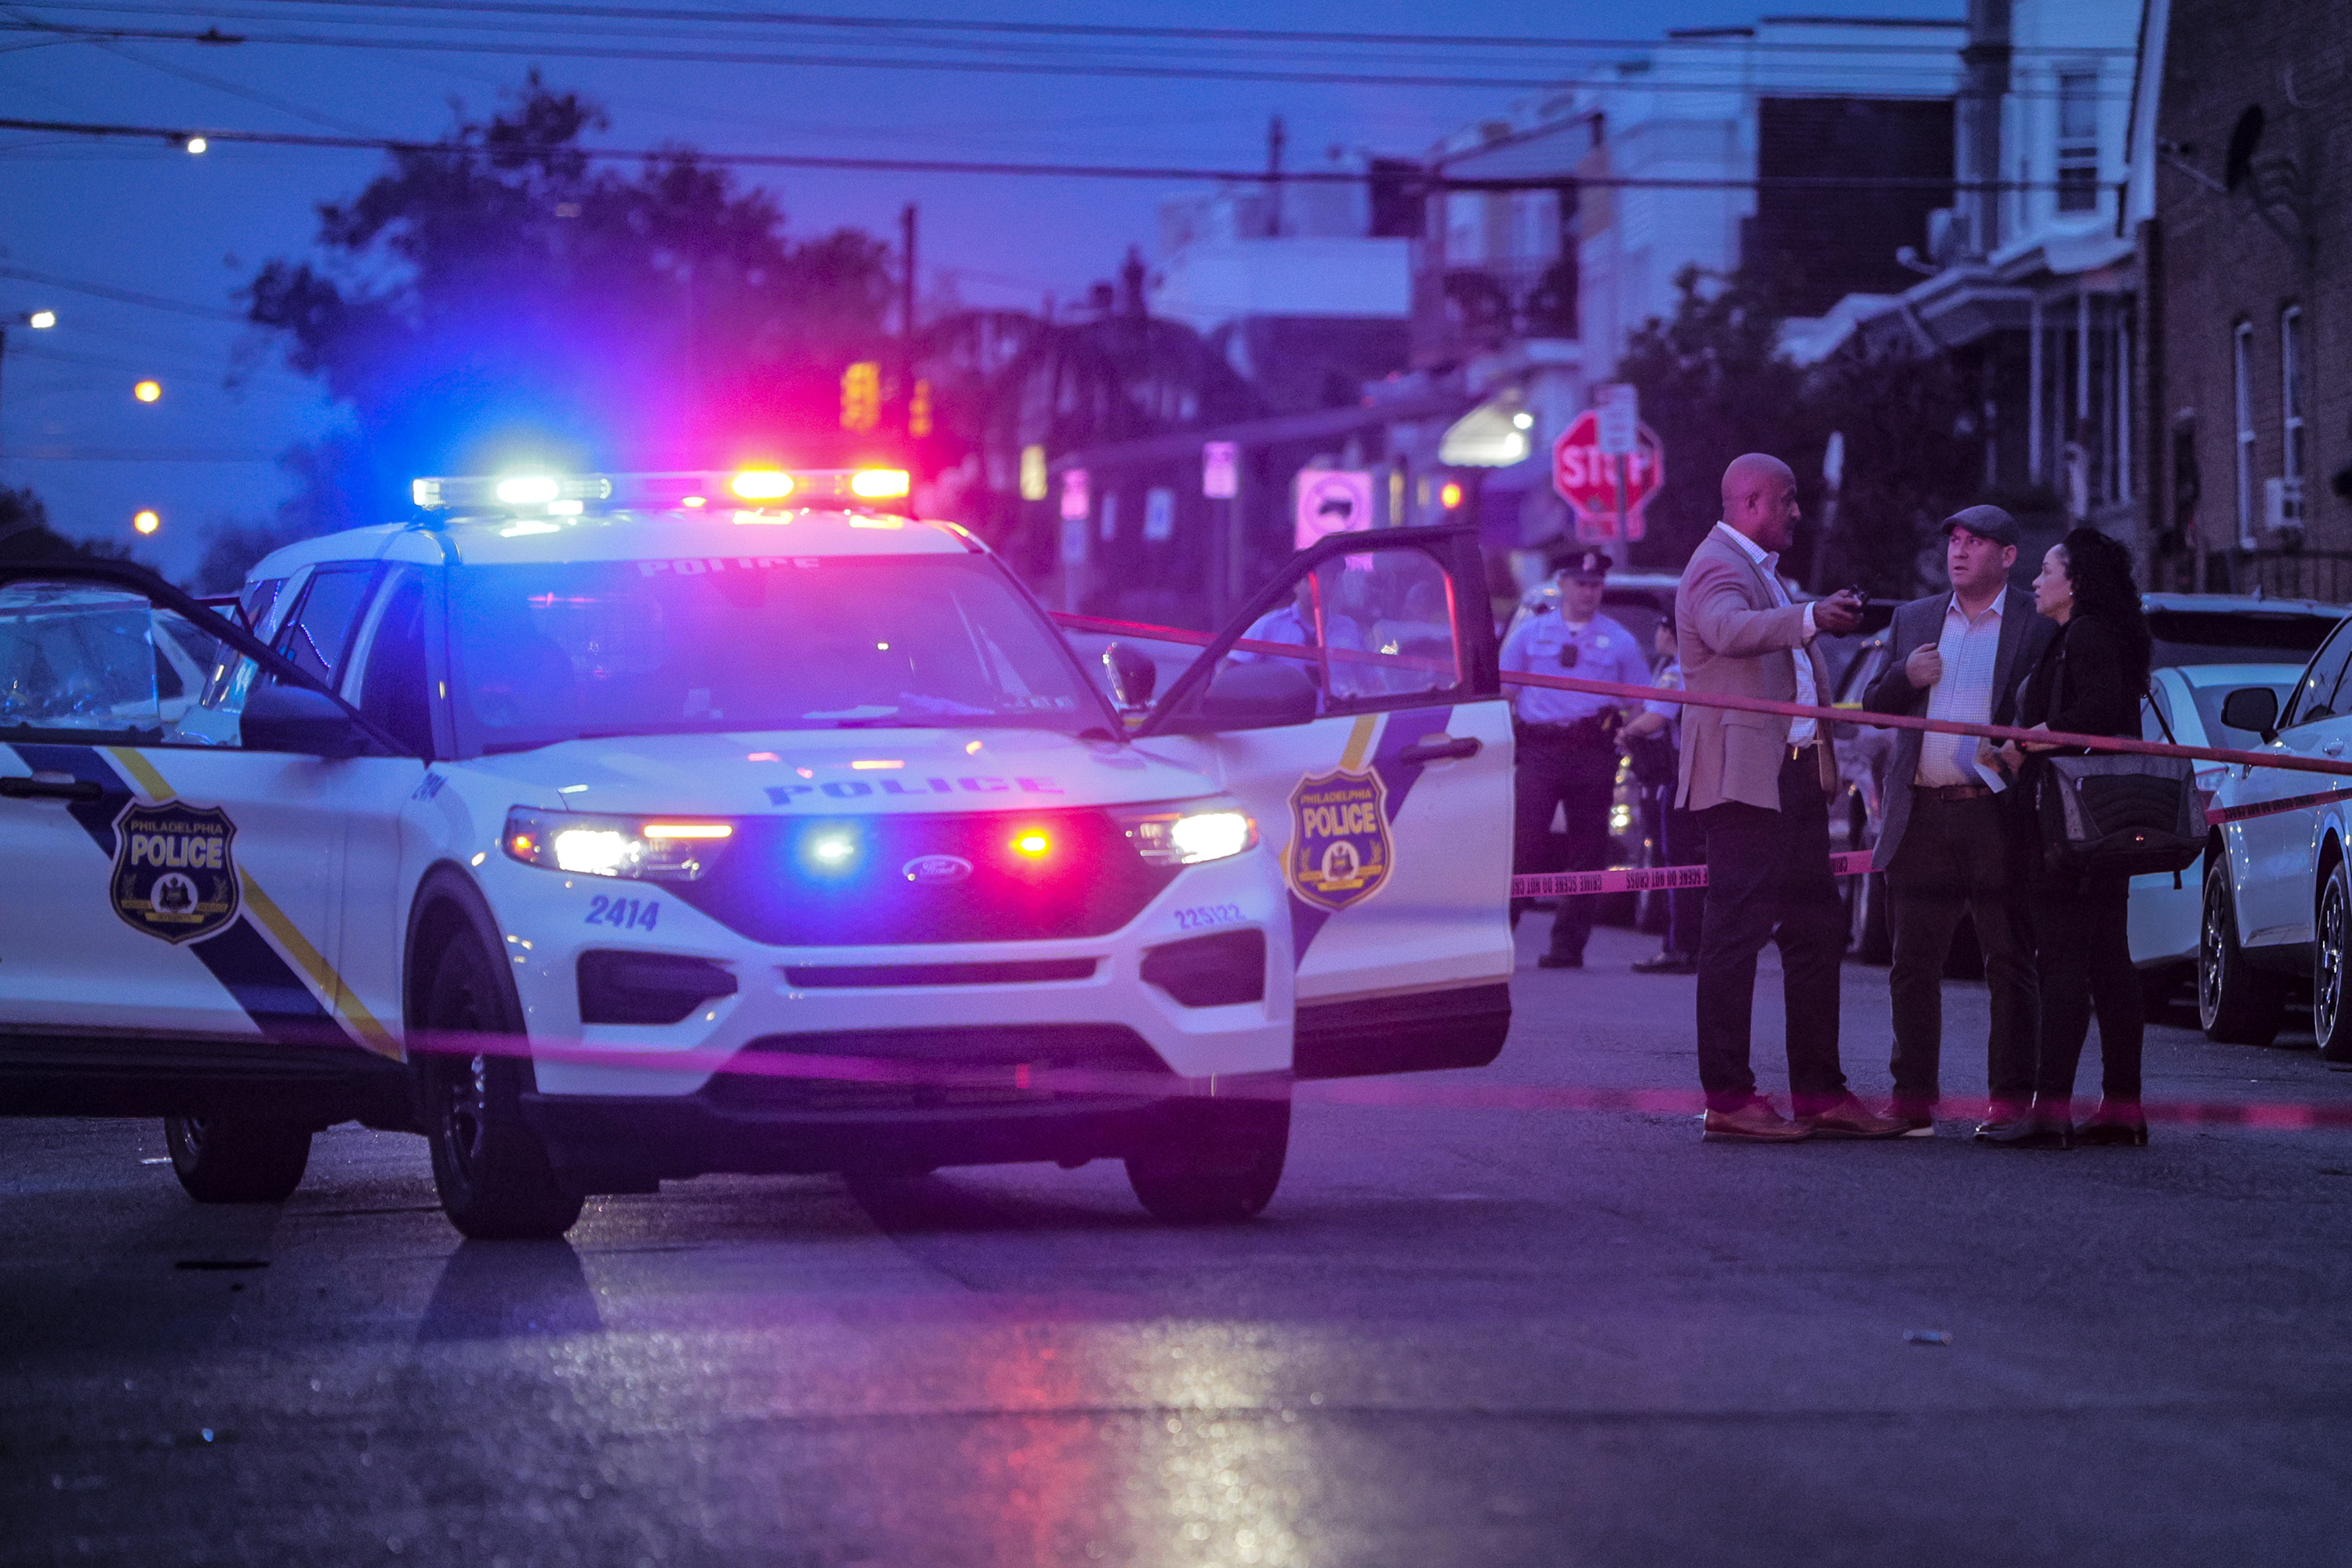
{"x":464,"y":1114}
{"x":2328,"y":979}
{"x":2212,"y":933}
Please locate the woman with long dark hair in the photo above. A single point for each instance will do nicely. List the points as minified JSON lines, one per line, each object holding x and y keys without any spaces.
{"x":2089,"y":682}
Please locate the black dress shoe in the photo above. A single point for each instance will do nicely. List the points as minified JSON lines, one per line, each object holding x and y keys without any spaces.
{"x":1668,"y":962}
{"x":1560,"y":961}
{"x":2115,"y":1127}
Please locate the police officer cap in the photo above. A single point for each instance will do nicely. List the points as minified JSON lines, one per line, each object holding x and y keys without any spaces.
{"x":1985,"y":522}
{"x":1584,"y":565}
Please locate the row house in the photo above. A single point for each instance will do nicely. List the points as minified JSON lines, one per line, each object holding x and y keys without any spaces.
{"x":1560,"y":229}
{"x":2034,"y":281}
{"x":2243,"y":205}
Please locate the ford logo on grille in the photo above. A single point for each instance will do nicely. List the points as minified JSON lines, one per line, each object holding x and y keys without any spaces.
{"x":937,"y":870}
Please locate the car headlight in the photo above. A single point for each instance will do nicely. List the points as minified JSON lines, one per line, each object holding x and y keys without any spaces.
{"x":661,"y":848}
{"x":1188,"y":834}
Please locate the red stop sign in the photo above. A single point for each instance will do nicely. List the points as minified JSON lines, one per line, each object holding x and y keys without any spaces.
{"x":1587,"y":477}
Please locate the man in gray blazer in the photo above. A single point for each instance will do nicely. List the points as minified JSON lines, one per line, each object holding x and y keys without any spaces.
{"x":1759,"y":784}
{"x":1947,"y":838}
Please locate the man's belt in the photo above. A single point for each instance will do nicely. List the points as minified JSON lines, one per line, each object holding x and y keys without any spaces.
{"x":1951,"y":791}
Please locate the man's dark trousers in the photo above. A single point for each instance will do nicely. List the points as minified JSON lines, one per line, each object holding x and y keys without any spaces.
{"x":1956,"y":855}
{"x":1768,"y":878}
{"x":1571,"y":768}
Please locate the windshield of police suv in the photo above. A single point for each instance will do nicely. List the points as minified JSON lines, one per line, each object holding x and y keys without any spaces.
{"x":565,"y":650}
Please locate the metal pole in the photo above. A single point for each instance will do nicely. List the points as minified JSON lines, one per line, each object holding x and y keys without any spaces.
{"x":2033,"y":392}
{"x":907,"y":318}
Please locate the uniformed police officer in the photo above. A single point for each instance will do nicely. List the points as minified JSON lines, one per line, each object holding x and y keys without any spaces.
{"x":1568,"y":740}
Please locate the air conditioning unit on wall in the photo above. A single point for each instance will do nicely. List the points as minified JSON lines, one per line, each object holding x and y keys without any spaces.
{"x":2283,"y":505}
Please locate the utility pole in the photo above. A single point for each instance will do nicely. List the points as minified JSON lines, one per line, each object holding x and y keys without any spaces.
{"x":1986,"y":58}
{"x":1274,"y":140}
{"x":907,"y":316}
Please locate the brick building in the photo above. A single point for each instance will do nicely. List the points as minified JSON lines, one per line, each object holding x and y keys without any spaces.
{"x":2242,"y":186}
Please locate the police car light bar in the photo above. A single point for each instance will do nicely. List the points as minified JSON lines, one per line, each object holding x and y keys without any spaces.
{"x":563,"y":494}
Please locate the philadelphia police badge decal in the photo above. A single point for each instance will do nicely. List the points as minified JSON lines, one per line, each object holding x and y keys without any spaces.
{"x":1340,"y":852}
{"x":175,"y":877}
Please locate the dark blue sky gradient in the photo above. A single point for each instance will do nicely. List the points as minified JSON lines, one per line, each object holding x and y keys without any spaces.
{"x":158,"y":221}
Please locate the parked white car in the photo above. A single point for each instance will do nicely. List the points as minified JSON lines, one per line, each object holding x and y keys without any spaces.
{"x":2278,"y":895}
{"x":2166,"y":909}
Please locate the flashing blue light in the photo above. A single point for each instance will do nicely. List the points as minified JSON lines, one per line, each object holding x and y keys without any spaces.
{"x":830,"y":849}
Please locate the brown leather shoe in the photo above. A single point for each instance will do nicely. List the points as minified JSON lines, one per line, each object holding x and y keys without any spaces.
{"x":1754,"y":1122}
{"x":1849,"y":1118}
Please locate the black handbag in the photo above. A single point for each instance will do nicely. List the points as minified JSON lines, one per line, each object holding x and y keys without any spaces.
{"x":2117,"y":812}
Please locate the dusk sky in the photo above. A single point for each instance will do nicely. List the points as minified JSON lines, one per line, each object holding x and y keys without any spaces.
{"x":152,"y":220}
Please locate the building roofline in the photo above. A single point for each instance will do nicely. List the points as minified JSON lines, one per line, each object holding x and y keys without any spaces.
{"x":1923,"y":22}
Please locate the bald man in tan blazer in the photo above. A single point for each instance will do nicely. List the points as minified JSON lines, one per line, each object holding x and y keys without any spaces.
{"x":1760,"y":785}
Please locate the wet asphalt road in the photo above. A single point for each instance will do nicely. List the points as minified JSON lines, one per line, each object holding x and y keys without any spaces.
{"x":1459,"y":1336}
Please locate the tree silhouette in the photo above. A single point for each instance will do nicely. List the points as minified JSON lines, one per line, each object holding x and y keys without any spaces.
{"x":501,"y":298}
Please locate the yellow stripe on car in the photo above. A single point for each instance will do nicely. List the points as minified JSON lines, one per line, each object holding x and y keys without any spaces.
{"x":323,"y":977}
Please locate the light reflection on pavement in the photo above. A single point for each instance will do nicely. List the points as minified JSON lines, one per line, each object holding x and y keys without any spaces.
{"x":1458,"y":1337}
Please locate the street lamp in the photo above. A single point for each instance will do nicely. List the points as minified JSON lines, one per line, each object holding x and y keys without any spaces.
{"x":40,"y":320}
{"x":148,"y":391}
{"x":146,"y":521}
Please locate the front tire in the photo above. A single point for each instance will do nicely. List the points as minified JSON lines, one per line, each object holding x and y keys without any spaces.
{"x":489,"y":1168}
{"x":2238,"y":1003}
{"x":1214,"y":1162}
{"x":2329,"y":1019}
{"x":229,"y":1160}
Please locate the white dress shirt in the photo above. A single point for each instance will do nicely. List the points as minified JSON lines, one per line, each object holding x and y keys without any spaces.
{"x":1800,"y":731}
{"x":1970,"y":647}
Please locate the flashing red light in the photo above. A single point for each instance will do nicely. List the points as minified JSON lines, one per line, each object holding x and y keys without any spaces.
{"x":1032,"y":843}
{"x":1449,"y":496}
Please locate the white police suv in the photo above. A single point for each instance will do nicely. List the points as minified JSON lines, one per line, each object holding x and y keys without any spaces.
{"x":612,"y":829}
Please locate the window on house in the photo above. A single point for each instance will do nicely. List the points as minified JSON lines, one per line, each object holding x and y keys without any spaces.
{"x":2242,"y":380}
{"x":2078,"y":142}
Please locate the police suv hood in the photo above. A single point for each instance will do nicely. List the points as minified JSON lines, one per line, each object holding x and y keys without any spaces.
{"x":862,"y":771}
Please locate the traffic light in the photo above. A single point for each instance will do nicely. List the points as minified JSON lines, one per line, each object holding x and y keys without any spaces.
{"x":861,"y":395}
{"x":919,"y":411}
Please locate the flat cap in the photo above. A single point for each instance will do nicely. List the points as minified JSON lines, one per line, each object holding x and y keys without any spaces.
{"x":1985,"y":522}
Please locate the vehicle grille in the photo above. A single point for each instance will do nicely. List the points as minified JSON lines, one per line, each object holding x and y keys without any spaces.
{"x":775,"y":885}
{"x":918,"y":1070}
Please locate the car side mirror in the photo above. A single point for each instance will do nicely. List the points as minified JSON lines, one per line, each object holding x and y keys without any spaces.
{"x":1264,"y":695}
{"x":297,"y":719}
{"x":1133,"y":676}
{"x":2252,"y":708}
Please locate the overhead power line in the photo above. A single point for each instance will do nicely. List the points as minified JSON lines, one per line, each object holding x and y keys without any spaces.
{"x":558,"y":48}
{"x":1433,"y":182}
{"x":120,"y":295}
{"x":828,"y":21}
{"x":132,"y":455}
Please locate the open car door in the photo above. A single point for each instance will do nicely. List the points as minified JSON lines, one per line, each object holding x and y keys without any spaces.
{"x":1354,"y":707}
